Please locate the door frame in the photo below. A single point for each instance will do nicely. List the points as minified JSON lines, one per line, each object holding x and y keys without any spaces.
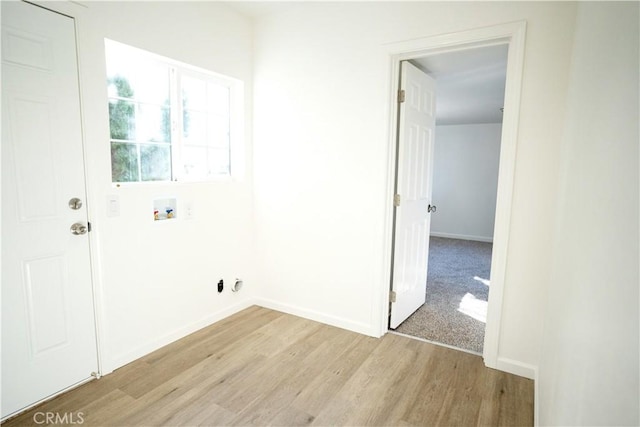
{"x":513,"y":35}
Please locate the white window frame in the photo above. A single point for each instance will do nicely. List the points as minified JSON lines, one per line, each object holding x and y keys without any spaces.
{"x":236,"y":119}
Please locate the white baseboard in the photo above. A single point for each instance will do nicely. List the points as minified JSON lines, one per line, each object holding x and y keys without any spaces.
{"x":517,"y":368}
{"x":339,"y":322}
{"x":155,"y":344}
{"x":46,"y":399}
{"x":462,"y":237}
{"x":536,"y":400}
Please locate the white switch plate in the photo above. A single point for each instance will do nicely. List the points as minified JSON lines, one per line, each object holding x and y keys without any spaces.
{"x":113,"y":206}
{"x":188,"y":211}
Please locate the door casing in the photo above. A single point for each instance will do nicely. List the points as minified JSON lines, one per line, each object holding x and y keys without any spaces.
{"x":512,"y":34}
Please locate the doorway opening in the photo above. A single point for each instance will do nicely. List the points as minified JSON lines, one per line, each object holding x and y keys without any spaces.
{"x":469,"y":109}
{"x":513,"y":36}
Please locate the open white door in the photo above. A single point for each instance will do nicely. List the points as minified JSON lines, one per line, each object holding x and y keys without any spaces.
{"x":48,"y":325}
{"x":413,"y":193}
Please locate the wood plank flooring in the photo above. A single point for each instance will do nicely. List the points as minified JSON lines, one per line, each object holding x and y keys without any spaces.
{"x":262,"y":367}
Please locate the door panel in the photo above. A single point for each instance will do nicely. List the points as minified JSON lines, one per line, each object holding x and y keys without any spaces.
{"x":414,"y":173}
{"x":48,"y":325}
{"x":31,"y":145}
{"x":46,"y":304}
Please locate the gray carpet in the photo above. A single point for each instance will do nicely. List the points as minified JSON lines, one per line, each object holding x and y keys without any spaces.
{"x":457,"y":293}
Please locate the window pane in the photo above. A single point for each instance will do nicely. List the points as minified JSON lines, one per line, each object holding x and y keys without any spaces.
{"x":194,"y":160}
{"x":155,"y":162}
{"x":122,"y":119}
{"x":124,"y":162}
{"x":151,"y":84}
{"x":132,"y":74}
{"x":219,"y":131}
{"x":194,"y":127}
{"x":153,"y":123}
{"x":119,"y":86}
{"x":202,"y":163}
{"x":219,"y":163}
{"x":218,"y":99}
{"x":194,"y":93}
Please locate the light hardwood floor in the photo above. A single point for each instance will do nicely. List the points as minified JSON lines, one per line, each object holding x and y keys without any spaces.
{"x":262,"y":367}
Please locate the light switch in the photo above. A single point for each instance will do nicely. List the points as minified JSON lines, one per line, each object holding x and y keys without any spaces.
{"x":188,"y":210}
{"x":113,"y":206}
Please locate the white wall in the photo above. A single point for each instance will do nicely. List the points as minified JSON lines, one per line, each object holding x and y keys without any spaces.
{"x":322,"y":85}
{"x":589,"y":371}
{"x":465,"y":180}
{"x":156,"y":281}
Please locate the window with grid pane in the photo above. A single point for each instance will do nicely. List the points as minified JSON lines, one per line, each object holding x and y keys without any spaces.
{"x":168,"y":121}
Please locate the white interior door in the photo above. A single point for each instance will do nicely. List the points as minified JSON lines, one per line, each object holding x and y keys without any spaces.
{"x":48,"y":325}
{"x":413,"y":193}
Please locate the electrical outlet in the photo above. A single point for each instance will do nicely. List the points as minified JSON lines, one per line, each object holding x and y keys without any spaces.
{"x":220,"y":285}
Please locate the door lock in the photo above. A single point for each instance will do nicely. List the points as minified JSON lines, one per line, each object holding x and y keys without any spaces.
{"x":431,"y":208}
{"x":78,"y":229}
{"x":75,"y":204}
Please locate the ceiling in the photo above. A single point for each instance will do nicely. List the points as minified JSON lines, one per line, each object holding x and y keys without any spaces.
{"x":470,"y":84}
{"x":257,"y":9}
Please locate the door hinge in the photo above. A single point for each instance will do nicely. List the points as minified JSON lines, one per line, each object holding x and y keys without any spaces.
{"x":400,"y":96}
{"x":392,"y":296}
{"x":88,"y":226}
{"x":396,"y":200}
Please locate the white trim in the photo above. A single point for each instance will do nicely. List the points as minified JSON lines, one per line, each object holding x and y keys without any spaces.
{"x":439,"y":344}
{"x":536,"y":400}
{"x":517,"y":368}
{"x":506,"y":173}
{"x":512,"y":34}
{"x":46,"y":399}
{"x":339,"y":322}
{"x":149,"y":347}
{"x":98,"y":294}
{"x":462,"y":237}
